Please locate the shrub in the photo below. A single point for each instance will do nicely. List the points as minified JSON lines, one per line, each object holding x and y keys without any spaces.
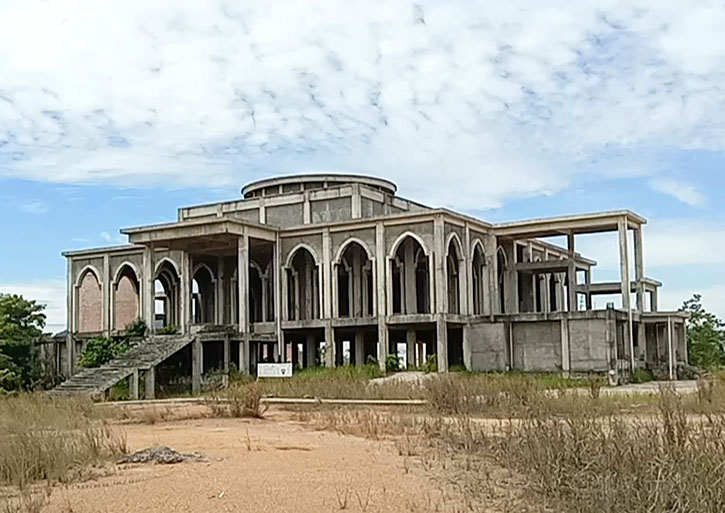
{"x":642,"y":376}
{"x":392,"y":363}
{"x":240,"y":399}
{"x":137,"y":328}
{"x":170,"y":329}
{"x":100,"y":350}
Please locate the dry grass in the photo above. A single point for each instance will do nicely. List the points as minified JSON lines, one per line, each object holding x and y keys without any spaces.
{"x":577,"y":453}
{"x":240,"y":399}
{"x":52,"y":440}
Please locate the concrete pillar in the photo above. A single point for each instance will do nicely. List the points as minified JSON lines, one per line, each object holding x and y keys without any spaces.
{"x":243,"y":357}
{"x":653,"y":300}
{"x":467,"y":347}
{"x":150,"y":384}
{"x":441,"y":297}
{"x":329,"y":345}
{"x":410,"y":295}
{"x":227,"y":351}
{"x":243,"y":281}
{"x":133,"y":385}
{"x":220,"y":295}
{"x":588,"y":285}
{"x":359,"y":348}
{"x":196,"y":366}
{"x":512,"y":279}
{"x":356,"y":202}
{"x":410,"y":339}
{"x":670,"y":355}
{"x":565,"y":347}
{"x":382,"y":293}
{"x":71,"y":316}
{"x":356,"y":305}
{"x":148,"y":290}
{"x":626,"y":287}
{"x":106,"y":296}
{"x":639,"y":268}
{"x":465,"y":283}
{"x":571,"y":274}
{"x":185,"y":299}
{"x":311,"y":350}
{"x":306,"y":210}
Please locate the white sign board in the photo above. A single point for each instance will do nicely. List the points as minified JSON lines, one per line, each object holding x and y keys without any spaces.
{"x":274,"y":370}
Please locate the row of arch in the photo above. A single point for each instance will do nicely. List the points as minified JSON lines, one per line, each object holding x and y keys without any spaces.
{"x":410,"y":282}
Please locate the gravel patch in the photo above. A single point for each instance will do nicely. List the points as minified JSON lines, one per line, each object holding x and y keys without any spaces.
{"x":159,"y":454}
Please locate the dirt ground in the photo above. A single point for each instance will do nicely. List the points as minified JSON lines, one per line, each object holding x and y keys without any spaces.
{"x":275,"y":464}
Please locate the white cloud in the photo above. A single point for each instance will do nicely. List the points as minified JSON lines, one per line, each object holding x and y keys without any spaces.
{"x":105,"y":236}
{"x":35,"y":207}
{"x":462,"y":103}
{"x":685,"y":192}
{"x":51,"y":293}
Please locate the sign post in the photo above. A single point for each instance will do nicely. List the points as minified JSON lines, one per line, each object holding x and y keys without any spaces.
{"x":274,"y":370}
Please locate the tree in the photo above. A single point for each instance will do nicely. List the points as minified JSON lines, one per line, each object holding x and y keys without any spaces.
{"x":706,"y":335}
{"x":21,"y":322}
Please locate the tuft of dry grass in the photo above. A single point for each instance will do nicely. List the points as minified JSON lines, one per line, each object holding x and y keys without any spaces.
{"x":240,"y":399}
{"x":47,"y":439}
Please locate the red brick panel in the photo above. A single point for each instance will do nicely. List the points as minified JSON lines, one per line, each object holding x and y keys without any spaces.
{"x":90,"y":304}
{"x":126,"y":303}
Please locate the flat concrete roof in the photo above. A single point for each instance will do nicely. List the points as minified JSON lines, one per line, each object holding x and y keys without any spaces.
{"x":596,"y":222}
{"x":330,"y":178}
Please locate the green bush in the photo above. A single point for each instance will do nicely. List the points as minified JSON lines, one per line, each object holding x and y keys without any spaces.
{"x":100,"y":350}
{"x":431,"y":364}
{"x":171,"y":329}
{"x":137,"y":328}
{"x":392,"y":363}
{"x":642,"y":376}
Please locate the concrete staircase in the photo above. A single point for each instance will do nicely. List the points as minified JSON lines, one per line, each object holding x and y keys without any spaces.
{"x":147,"y":354}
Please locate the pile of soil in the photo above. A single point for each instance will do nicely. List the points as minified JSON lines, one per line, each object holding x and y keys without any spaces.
{"x":159,"y":454}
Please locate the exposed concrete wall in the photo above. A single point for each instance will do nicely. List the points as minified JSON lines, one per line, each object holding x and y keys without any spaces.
{"x":367,"y":235}
{"x":537,"y":346}
{"x":424,"y":230}
{"x":588,"y":346}
{"x":331,"y":210}
{"x":251,"y":214}
{"x":489,"y":346}
{"x":126,"y":302}
{"x":289,"y":243}
{"x":286,"y":215}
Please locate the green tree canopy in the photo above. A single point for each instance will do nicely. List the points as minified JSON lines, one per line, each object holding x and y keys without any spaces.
{"x":21,"y":322}
{"x":706,"y":335}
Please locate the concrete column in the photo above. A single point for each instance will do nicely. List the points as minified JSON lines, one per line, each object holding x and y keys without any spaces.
{"x":306,"y":211}
{"x":356,"y":202}
{"x":243,"y":357}
{"x":641,"y":341}
{"x":262,"y":211}
{"x":326,"y":295}
{"x":512,"y":279}
{"x":355,"y":288}
{"x":441,"y":297}
{"x":133,"y":385}
{"x":279,"y":285}
{"x":227,"y":351}
{"x":70,"y":317}
{"x":465,"y":285}
{"x":670,"y":355}
{"x":382,"y":293}
{"x":150,"y":384}
{"x":410,"y":339}
{"x":467,"y":347}
{"x":196,"y":366}
{"x":148,"y":291}
{"x":571,"y":274}
{"x":221,"y":300}
{"x":185,"y":299}
{"x":588,"y":284}
{"x":243,"y":281}
{"x":626,"y":287}
{"x":565,"y":347}
{"x":639,"y":268}
{"x":106,"y":296}
{"x":311,"y":349}
{"x":409,"y":291}
{"x":359,"y":348}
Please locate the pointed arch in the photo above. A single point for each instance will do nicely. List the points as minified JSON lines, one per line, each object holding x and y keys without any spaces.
{"x":454,"y":259}
{"x":293,"y":252}
{"x":125,"y":291}
{"x":402,"y":237}
{"x":89,"y":296}
{"x":169,"y":261}
{"x":501,"y":270}
{"x":479,"y":278}
{"x":203,"y":294}
{"x":353,"y":280}
{"x":350,"y":240}
{"x":86,"y":269}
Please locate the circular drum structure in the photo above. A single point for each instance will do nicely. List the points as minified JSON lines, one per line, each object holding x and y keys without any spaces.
{"x":294,"y":184}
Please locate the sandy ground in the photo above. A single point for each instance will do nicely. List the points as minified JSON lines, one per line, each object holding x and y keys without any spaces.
{"x":276,"y":464}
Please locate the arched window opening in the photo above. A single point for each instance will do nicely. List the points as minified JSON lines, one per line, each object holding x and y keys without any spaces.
{"x":502,"y":268}
{"x":453,"y":266}
{"x":166,"y":296}
{"x":410,"y":272}
{"x":125,"y":298}
{"x":354,"y":283}
{"x":303,"y":287}
{"x":203,"y":296}
{"x":90,"y":303}
{"x":478,"y":277}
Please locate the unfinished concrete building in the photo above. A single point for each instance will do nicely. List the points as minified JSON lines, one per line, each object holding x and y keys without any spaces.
{"x":337,"y":269}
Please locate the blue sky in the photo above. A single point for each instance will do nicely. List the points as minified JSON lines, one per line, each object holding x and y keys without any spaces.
{"x":114,"y":114}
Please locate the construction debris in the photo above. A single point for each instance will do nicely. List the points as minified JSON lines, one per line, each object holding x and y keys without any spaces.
{"x":159,"y":454}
